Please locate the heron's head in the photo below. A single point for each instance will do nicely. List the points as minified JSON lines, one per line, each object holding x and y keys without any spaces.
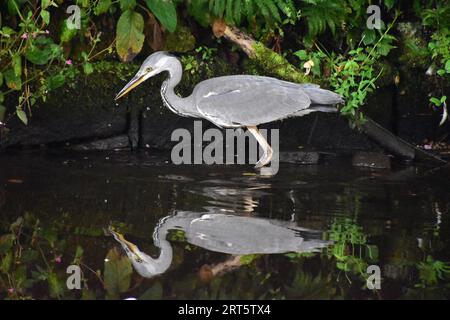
{"x":155,"y":63}
{"x":145,"y":265}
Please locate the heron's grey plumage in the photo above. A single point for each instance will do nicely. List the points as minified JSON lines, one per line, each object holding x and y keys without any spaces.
{"x":225,"y":233}
{"x":236,"y":101}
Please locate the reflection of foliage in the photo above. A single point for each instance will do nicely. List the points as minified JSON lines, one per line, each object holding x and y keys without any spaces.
{"x":349,"y":242}
{"x":431,"y":271}
{"x":306,"y":286}
{"x":34,"y":258}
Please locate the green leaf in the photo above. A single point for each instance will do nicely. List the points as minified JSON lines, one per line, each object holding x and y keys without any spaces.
{"x":1,"y":79}
{"x":117,"y":273}
{"x":45,"y":4}
{"x":88,"y":68}
{"x":129,"y":34}
{"x":2,"y":113}
{"x":6,"y":243}
{"x":17,"y":65}
{"x":54,"y":81}
{"x":6,"y":262}
{"x":66,"y":34}
{"x":102,"y":7}
{"x":12,"y":81}
{"x":22,"y":116}
{"x":45,"y":15}
{"x":154,"y":293}
{"x":165,"y":11}
{"x":42,"y":50}
{"x":55,"y":285}
{"x":302,"y":55}
{"x":447,"y":66}
{"x":127,"y":5}
{"x":435,"y":101}
{"x":370,"y":37}
{"x":13,"y":7}
{"x":389,"y":4}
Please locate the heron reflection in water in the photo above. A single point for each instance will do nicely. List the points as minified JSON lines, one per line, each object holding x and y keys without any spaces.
{"x":230,"y":234}
{"x":236,"y":101}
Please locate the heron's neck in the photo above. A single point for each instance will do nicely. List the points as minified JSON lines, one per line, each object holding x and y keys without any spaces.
{"x":163,"y":262}
{"x":177,"y":104}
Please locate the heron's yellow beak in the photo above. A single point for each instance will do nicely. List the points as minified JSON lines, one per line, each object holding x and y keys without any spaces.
{"x":137,"y":80}
{"x":119,"y":237}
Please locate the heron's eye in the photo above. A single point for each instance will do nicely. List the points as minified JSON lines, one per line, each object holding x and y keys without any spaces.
{"x":148,"y":69}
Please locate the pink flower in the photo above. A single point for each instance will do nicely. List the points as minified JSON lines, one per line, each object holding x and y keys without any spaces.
{"x":10,"y":290}
{"x":58,"y":259}
{"x":24,"y":36}
{"x":47,"y":32}
{"x":69,"y":62}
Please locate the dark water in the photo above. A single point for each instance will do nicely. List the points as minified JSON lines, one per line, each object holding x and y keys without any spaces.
{"x":308,"y":232}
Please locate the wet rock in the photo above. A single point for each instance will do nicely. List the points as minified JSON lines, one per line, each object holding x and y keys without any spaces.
{"x":299,"y":157}
{"x":78,"y":111}
{"x":371,"y":160}
{"x":114,"y":143}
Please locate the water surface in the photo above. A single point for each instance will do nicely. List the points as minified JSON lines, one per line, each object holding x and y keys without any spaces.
{"x":59,"y":206}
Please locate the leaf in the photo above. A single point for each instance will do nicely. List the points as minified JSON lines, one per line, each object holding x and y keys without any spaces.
{"x":369,"y":37}
{"x":54,"y":81}
{"x":154,"y":293}
{"x":42,"y":51}
{"x":22,"y":116}
{"x":1,"y":80}
{"x":389,"y":4}
{"x":435,"y":101}
{"x":129,"y":33}
{"x":66,"y":34}
{"x":6,"y":243}
{"x":13,"y":7}
{"x":12,"y":81}
{"x":165,"y":11}
{"x":127,"y":4}
{"x":17,"y":65}
{"x":102,"y":7}
{"x":117,"y":273}
{"x":88,"y":68}
{"x":447,"y":66}
{"x":6,"y":262}
{"x":302,"y":55}
{"x":45,"y":15}
{"x":45,"y":4}
{"x":55,"y":285}
{"x":2,"y":113}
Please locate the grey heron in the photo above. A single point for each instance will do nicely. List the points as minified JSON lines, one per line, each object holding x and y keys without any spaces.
{"x":235,"y":101}
{"x":225,"y":233}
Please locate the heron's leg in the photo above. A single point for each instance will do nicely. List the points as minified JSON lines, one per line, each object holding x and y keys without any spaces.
{"x":268,"y":152}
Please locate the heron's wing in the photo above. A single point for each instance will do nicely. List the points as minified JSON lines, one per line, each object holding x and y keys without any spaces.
{"x":248,"y":100}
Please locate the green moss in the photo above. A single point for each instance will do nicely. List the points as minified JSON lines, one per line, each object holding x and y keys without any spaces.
{"x":275,"y":64}
{"x":122,"y":70}
{"x":181,"y":40}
